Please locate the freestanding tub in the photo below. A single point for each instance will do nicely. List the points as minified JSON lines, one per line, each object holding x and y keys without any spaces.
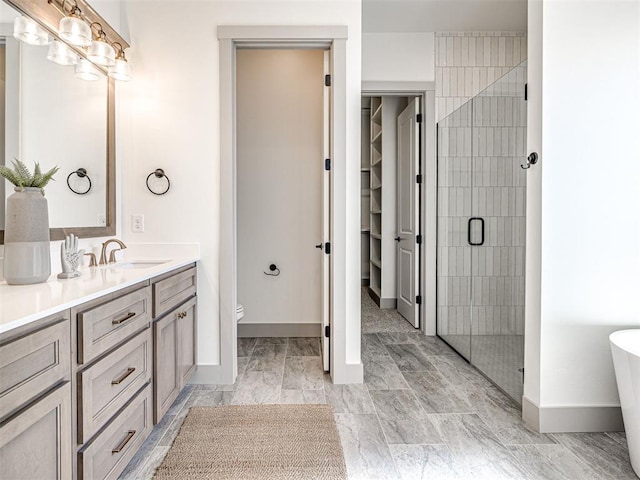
{"x":625,"y":348}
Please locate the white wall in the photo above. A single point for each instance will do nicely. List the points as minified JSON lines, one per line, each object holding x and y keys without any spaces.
{"x":172,"y":121}
{"x":589,"y":247}
{"x":402,"y":57}
{"x":280,"y":166}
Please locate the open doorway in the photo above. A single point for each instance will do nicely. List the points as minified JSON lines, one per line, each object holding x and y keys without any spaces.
{"x":283,"y":198}
{"x":391,"y":182}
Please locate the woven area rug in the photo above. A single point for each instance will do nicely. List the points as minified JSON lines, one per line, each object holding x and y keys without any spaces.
{"x":256,"y":442}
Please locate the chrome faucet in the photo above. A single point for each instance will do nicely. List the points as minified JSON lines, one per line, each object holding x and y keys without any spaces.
{"x":112,"y":256}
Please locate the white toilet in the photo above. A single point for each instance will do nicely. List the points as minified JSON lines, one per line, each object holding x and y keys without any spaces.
{"x":239,"y":312}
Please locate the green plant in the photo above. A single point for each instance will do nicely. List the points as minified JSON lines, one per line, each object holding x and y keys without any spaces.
{"x":21,"y":177}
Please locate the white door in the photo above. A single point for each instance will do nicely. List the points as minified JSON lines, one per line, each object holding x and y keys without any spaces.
{"x":408,"y":213}
{"x":326,"y":220}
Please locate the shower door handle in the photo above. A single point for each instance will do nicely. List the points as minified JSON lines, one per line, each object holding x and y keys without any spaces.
{"x":469,"y":225}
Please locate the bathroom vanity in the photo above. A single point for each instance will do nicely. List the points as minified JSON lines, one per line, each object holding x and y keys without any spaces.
{"x":87,"y":366}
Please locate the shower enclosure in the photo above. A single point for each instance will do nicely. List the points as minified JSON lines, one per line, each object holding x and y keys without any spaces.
{"x":481,"y":230}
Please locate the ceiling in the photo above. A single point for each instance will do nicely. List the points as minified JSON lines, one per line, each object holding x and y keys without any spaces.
{"x":400,"y":16}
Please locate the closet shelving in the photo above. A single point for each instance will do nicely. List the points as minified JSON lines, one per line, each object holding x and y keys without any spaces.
{"x":375,"y":189}
{"x":365,"y":181}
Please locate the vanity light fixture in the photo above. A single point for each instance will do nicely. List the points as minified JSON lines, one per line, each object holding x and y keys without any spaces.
{"x":121,"y":70}
{"x":85,"y":70}
{"x":100,"y":52}
{"x":28,"y":31}
{"x":73,"y":28}
{"x":60,"y":53}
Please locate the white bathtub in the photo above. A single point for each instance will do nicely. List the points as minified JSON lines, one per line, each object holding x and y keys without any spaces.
{"x":625,"y":348}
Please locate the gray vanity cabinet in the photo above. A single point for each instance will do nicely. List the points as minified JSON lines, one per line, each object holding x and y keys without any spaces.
{"x":80,"y":390}
{"x":36,"y":402}
{"x":174,"y":337}
{"x":37,"y":442}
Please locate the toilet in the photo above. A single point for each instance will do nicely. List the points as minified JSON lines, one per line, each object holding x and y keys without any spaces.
{"x":239,"y":312}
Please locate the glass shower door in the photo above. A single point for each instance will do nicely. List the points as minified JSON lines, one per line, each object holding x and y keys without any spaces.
{"x":498,"y":266}
{"x":481,"y":231}
{"x":453,"y":249}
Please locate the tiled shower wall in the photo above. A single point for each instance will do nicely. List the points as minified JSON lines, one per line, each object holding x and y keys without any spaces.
{"x":468,"y":62}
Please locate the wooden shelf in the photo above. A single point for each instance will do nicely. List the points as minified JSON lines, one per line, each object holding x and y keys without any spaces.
{"x":377,"y":115}
{"x":377,"y":187}
{"x":377,"y":163}
{"x":376,"y":263}
{"x":375,"y":212}
{"x":365,"y":169}
{"x":377,"y":236}
{"x":365,"y":230}
{"x":375,"y":290}
{"x":377,"y":140}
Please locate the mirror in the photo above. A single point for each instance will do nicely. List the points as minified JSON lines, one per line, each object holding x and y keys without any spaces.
{"x":49,"y":116}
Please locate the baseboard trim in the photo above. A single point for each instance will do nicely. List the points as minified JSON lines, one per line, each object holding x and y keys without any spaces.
{"x":388,"y":303}
{"x":349,"y":373}
{"x":207,"y":375}
{"x":278,"y":330}
{"x":572,"y":418}
{"x":382,"y":303}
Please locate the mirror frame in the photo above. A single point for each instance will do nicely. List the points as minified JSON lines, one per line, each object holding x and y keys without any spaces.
{"x":48,"y":17}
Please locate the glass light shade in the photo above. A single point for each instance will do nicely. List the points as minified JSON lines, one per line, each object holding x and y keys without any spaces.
{"x":75,"y":31}
{"x":101,"y":53}
{"x":28,"y":31}
{"x":86,"y":71}
{"x":121,"y":70}
{"x":61,"y":54}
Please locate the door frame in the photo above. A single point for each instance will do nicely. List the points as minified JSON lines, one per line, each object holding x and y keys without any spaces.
{"x":334,"y":39}
{"x":427,"y":250}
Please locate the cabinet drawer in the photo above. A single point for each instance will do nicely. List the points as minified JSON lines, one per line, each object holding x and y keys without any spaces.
{"x":110,"y":383}
{"x":33,"y":364}
{"x":108,"y":455}
{"x":105,"y":326}
{"x":172,"y":291}
{"x":37,"y":443}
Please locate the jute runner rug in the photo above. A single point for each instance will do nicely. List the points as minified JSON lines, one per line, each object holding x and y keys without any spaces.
{"x":256,"y":442}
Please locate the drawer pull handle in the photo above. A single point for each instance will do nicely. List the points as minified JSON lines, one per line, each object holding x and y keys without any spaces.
{"x":124,"y":442}
{"x":182,"y":314}
{"x":118,"y":381}
{"x":123,"y":319}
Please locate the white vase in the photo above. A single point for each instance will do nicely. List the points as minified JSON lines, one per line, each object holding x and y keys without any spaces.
{"x":27,"y":255}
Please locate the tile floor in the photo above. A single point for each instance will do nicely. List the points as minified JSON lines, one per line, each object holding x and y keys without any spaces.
{"x":423,"y":413}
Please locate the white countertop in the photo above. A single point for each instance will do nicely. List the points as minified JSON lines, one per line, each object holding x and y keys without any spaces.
{"x":20,"y":305}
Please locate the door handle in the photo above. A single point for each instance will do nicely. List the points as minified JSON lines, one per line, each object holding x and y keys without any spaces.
{"x":398,"y":239}
{"x":320,"y":246}
{"x":469,"y":223}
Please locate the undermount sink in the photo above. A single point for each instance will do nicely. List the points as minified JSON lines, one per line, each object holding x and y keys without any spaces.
{"x":142,"y":264}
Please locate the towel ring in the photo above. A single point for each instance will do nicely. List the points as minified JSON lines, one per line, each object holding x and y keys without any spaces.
{"x":81,"y":173}
{"x":158,"y":173}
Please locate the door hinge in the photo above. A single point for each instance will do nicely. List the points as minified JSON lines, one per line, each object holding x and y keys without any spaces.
{"x":418,"y":239}
{"x":526,"y":92}
{"x":327,"y":164}
{"x":327,"y":331}
{"x":419,"y":178}
{"x":327,"y":248}
{"x":327,"y":80}
{"x":419,"y":299}
{"x":419,"y":118}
